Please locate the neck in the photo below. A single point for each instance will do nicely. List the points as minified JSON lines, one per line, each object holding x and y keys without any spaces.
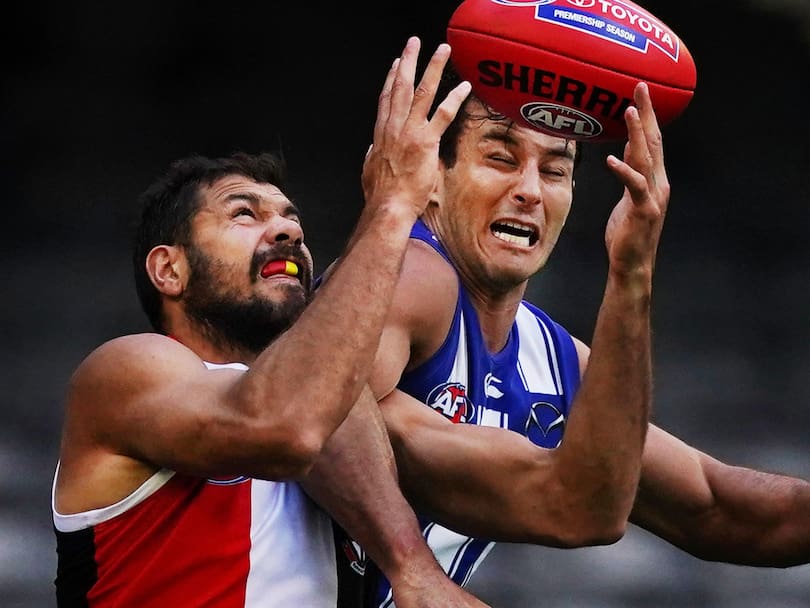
{"x":496,"y":315}
{"x":208,"y":345}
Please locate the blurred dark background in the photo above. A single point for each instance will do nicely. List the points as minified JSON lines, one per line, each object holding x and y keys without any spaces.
{"x":98,"y":98}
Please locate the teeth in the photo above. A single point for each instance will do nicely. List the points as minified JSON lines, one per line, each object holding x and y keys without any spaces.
{"x":513,"y":232}
{"x":515,"y":225}
{"x":512,"y":238}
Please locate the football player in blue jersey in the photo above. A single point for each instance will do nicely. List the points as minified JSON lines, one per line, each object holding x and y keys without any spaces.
{"x":507,"y":428}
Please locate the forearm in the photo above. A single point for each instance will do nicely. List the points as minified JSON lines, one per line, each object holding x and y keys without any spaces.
{"x":517,"y":492}
{"x":355,"y":480}
{"x":337,"y":334}
{"x":760,"y":519}
{"x":605,"y":432}
{"x":723,"y":513}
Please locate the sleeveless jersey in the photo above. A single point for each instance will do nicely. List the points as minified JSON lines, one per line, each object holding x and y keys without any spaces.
{"x":527,"y":387}
{"x":185,"y":541}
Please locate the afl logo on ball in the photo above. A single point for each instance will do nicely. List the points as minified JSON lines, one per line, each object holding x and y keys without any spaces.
{"x":560,"y":120}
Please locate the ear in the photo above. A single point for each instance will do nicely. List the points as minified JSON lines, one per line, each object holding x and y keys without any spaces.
{"x":168,"y":270}
{"x":437,"y":194}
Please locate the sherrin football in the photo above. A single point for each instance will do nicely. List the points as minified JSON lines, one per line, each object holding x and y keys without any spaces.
{"x":569,"y":67}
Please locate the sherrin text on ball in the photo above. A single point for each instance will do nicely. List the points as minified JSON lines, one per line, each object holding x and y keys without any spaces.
{"x":568,"y":67}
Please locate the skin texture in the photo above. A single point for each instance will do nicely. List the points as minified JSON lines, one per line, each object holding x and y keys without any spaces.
{"x":496,"y":484}
{"x":302,"y":411}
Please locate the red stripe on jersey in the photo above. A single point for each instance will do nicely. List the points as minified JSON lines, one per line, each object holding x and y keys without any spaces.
{"x":165,"y":552}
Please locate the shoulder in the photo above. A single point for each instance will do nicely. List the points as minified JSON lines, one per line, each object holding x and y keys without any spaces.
{"x":427,"y":281}
{"x":426,"y":298}
{"x":131,"y":357}
{"x":107,"y":412}
{"x":120,"y":370}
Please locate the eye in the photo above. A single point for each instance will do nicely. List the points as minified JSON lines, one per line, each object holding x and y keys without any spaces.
{"x":556,"y":173}
{"x":501,"y":158}
{"x":244,"y":211}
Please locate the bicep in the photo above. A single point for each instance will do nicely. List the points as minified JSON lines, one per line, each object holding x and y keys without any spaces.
{"x":583,"y":353}
{"x":721,"y":512}
{"x":418,"y":320}
{"x":152,"y":400}
{"x":674,"y":487}
{"x":391,"y":359}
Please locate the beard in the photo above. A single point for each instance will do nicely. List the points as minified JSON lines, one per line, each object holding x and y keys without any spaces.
{"x":232,"y":322}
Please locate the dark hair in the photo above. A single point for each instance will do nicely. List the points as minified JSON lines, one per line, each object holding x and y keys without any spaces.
{"x":169,"y":204}
{"x":449,"y":141}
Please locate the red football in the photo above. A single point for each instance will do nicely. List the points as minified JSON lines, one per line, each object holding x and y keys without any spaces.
{"x":568,"y":67}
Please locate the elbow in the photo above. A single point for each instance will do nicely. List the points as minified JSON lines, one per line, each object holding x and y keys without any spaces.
{"x":592,"y":534}
{"x":277,"y":445}
{"x":592,"y":520}
{"x":283,"y":452}
{"x":609,"y":525}
{"x":607,"y":534}
{"x":597,"y":518}
{"x":250,"y":431}
{"x":573,"y":528}
{"x":300,"y":450}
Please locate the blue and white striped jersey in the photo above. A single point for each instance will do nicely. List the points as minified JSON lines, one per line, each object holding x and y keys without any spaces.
{"x":527,"y":387}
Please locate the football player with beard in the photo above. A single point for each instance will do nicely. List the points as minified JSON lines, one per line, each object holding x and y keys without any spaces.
{"x":186,"y":453}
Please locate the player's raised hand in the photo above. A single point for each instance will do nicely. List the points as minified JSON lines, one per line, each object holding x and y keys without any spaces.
{"x":401,"y":166}
{"x":634,"y":227}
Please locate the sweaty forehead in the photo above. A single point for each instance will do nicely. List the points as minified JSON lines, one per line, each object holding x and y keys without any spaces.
{"x":225,"y":188}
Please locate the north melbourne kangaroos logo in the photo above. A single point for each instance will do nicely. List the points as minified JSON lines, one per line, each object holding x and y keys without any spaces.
{"x":450,"y":400}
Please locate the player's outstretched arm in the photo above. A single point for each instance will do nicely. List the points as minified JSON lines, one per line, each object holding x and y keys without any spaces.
{"x":355,"y":479}
{"x":606,"y":429}
{"x":720,"y":512}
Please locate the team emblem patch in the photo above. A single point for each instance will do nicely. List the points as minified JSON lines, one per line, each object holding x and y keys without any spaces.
{"x":450,"y":400}
{"x":356,"y":556}
{"x":545,"y":425}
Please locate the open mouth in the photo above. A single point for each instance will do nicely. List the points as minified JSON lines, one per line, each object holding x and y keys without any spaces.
{"x":280,"y":267}
{"x":515,"y":233}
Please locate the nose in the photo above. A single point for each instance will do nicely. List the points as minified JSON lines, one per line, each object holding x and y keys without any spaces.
{"x":528,"y":189}
{"x":280,"y":229}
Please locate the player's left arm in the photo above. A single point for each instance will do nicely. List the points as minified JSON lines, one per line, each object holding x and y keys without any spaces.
{"x":720,"y":512}
{"x":355,"y":480}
